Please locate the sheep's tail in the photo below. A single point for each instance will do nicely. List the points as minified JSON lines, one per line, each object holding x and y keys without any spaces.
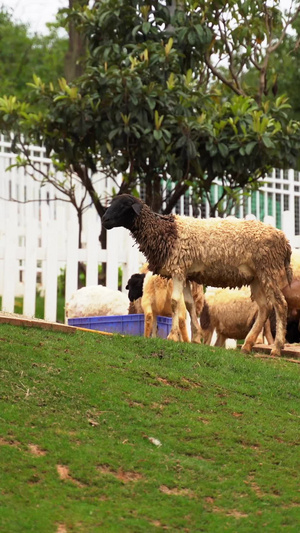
{"x":287,"y":265}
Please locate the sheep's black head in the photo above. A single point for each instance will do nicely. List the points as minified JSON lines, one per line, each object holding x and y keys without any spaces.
{"x":122,"y":212}
{"x":135,"y":286}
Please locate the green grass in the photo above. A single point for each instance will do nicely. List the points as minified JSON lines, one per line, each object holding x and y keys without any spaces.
{"x":39,"y":309}
{"x":85,"y":406}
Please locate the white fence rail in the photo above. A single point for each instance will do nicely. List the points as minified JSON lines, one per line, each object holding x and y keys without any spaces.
{"x":24,"y":255}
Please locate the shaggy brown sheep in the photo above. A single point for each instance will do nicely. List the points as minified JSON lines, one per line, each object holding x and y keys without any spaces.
{"x":215,"y":252}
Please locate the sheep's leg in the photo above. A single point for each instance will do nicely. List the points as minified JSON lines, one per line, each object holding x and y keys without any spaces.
{"x":262,"y":315}
{"x":207,"y":336}
{"x":174,"y":334}
{"x":221,"y":339}
{"x":260,"y":338}
{"x":184,"y":336}
{"x":268,"y":333}
{"x":154,"y":326}
{"x":280,"y":307}
{"x":148,"y":325}
{"x":190,"y":305}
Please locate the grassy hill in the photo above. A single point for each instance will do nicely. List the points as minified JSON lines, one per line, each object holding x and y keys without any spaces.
{"x":126,"y":434}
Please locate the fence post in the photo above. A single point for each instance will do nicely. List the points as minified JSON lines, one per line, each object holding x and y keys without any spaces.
{"x":10,"y":267}
{"x":51,"y":273}
{"x":113,"y":245}
{"x":269,"y":219}
{"x":72,"y":258}
{"x":92,"y":248}
{"x":288,"y":226}
{"x":30,"y":267}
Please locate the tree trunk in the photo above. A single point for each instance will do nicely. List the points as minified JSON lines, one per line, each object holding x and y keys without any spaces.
{"x":153,"y":192}
{"x":73,"y":65}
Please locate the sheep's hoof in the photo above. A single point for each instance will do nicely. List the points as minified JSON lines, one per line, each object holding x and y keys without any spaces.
{"x":196,"y":338}
{"x":276,"y":351}
{"x":246,"y":348}
{"x":174,"y":336}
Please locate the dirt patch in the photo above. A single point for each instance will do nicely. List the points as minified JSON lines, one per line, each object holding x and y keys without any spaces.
{"x":254,"y":487}
{"x":236,"y":514}
{"x":120,"y":474}
{"x":209,"y":499}
{"x":203,"y":420}
{"x":64,"y":474}
{"x":36,"y":450}
{"x":233,"y":512}
{"x":131,"y":403}
{"x":175,"y":491}
{"x":61,"y":528}
{"x":157,"y":523}
{"x":10,"y":442}
{"x":165,"y":382}
{"x":183,"y":383}
{"x":191,"y":384}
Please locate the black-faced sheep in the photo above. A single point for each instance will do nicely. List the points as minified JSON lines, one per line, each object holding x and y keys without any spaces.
{"x":231,"y":313}
{"x":96,"y":300}
{"x":215,"y":252}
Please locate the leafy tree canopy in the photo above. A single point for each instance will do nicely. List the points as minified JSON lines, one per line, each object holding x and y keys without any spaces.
{"x":22,"y":55}
{"x":163,"y":96}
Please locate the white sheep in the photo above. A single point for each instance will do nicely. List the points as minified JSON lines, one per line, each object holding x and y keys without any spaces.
{"x":214,"y":252}
{"x":231,"y":313}
{"x":96,"y":300}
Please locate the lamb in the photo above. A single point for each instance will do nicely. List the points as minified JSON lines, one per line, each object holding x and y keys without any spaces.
{"x":292,"y":292}
{"x":152,"y":294}
{"x":96,"y":300}
{"x":156,"y":300}
{"x":292,"y":296}
{"x":230,"y":312}
{"x":215,"y":252}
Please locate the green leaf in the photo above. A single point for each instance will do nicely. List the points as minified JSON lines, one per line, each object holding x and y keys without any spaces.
{"x":267,"y":141}
{"x":157,"y":134}
{"x":146,"y":27}
{"x":200,"y":31}
{"x":249,"y":147}
{"x":181,"y":142}
{"x":223,"y":149}
{"x":192,"y":37}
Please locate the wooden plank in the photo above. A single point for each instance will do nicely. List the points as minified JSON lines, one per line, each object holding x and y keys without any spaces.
{"x":288,"y":350}
{"x":95,"y":331}
{"x":266,"y":356}
{"x":53,"y":326}
{"x":26,"y":322}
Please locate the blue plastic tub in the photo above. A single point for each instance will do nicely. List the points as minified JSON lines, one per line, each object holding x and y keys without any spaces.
{"x":124,"y":324}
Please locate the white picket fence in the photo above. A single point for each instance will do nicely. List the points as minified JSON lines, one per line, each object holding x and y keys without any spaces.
{"x":24,"y":255}
{"x":39,"y":233}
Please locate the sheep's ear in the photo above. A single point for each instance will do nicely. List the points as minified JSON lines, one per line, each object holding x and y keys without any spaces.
{"x":137,"y":208}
